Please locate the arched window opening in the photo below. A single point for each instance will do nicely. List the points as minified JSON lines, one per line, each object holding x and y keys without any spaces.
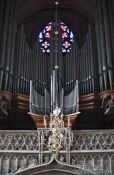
{"x":67,"y":38}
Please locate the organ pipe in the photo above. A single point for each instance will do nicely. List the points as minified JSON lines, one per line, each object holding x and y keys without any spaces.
{"x":85,"y":73}
{"x":103,"y":46}
{"x":13,"y":48}
{"x":111,"y":24}
{"x":99,"y":50}
{"x":108,"y":41}
{"x":91,"y":56}
{"x":1,"y":17}
{"x":4,"y":40}
{"x":19,"y":58}
{"x":89,"y":68}
{"x":8,"y":44}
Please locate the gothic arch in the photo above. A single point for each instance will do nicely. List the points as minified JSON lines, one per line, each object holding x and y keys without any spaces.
{"x":54,"y":168}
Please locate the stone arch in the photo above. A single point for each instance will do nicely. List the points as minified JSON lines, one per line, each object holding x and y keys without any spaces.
{"x":54,"y":168}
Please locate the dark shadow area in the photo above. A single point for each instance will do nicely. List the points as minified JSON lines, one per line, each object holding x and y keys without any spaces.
{"x":17,"y":120}
{"x":87,"y":120}
{"x":94,"y":119}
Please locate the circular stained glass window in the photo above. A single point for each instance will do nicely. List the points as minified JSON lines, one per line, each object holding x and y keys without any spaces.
{"x":66,"y":34}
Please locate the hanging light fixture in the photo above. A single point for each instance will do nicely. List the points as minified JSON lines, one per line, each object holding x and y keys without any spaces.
{"x":60,"y":136}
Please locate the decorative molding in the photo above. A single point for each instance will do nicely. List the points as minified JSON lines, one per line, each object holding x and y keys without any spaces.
{"x":25,"y":152}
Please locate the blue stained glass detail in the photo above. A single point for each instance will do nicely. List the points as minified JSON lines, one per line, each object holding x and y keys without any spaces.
{"x":66,"y":34}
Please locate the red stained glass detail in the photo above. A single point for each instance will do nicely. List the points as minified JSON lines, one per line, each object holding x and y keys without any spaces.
{"x":64,"y":35}
{"x":46,"y":44}
{"x":47,"y":35}
{"x":48,"y":28}
{"x":63,"y":28}
{"x":66,"y":44}
{"x":56,"y":32}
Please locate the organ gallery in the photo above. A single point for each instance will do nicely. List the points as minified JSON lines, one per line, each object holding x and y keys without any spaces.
{"x":56,"y":87}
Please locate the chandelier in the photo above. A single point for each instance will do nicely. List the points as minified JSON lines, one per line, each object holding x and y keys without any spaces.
{"x":59,"y":135}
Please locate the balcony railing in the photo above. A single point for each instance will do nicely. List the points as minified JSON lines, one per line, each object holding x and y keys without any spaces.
{"x":90,"y":150}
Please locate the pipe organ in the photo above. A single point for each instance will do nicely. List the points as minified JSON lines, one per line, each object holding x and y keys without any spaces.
{"x":92,"y":63}
{"x":50,"y":82}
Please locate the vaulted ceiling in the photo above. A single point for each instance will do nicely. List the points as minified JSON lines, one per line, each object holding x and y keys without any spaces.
{"x":35,"y":14}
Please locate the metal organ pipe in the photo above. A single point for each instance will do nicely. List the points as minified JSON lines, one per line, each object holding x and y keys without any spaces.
{"x":79,"y":77}
{"x":107,"y":41}
{"x":83,"y":60}
{"x":51,"y":51}
{"x":103,"y":46}
{"x":82,"y":70}
{"x":89,"y":65}
{"x":4,"y":40}
{"x":8,"y":44}
{"x":34,"y":69}
{"x":80,"y":73}
{"x":70,"y":71}
{"x":23,"y":64}
{"x":12,"y":55}
{"x":85,"y":63}
{"x":103,"y":18}
{"x":15,"y":68}
{"x":91,"y":57}
{"x":1,"y":17}
{"x":19,"y":58}
{"x":85,"y":73}
{"x":76,"y":68}
{"x":37,"y":61}
{"x":60,"y":65}
{"x":99,"y":50}
{"x":27,"y":70}
{"x":111,"y":25}
{"x":95,"y":63}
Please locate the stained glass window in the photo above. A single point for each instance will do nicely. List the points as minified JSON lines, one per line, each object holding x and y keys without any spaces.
{"x":67,"y":38}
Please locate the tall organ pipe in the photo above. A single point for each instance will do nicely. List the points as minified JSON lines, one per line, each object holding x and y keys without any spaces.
{"x":99,"y":50}
{"x":110,"y":7}
{"x":91,"y":57}
{"x":103,"y":46}
{"x":8,"y":44}
{"x":76,"y":67}
{"x":12,"y":56}
{"x":60,"y":65}
{"x":15,"y":68}
{"x":89,"y":68}
{"x":51,"y":50}
{"x":79,"y":71}
{"x":2,"y":4}
{"x":81,"y":58}
{"x":26,"y":70}
{"x":19,"y":58}
{"x":86,"y":69}
{"x":35,"y":62}
{"x":4,"y":41}
{"x":85,"y":73}
{"x":111,"y":24}
{"x":107,"y":41}
{"x":23,"y":65}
